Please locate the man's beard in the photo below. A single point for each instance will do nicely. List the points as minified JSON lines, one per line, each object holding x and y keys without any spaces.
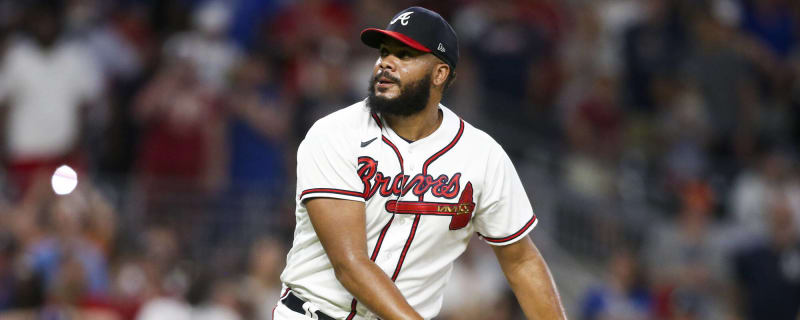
{"x":412,"y":99}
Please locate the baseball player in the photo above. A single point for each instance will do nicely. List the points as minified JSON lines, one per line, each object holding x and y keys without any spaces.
{"x":390,"y":190}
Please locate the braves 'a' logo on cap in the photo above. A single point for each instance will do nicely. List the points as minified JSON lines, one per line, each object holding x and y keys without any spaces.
{"x":403,"y":18}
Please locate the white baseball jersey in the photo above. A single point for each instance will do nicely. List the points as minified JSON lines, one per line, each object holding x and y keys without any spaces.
{"x":423,"y":199}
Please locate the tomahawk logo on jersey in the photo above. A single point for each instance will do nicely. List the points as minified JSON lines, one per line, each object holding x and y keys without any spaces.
{"x":424,"y":200}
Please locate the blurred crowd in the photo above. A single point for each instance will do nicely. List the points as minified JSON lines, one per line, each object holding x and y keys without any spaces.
{"x":667,"y":131}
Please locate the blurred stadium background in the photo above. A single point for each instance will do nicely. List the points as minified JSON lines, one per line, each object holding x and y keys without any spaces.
{"x":658,"y":140}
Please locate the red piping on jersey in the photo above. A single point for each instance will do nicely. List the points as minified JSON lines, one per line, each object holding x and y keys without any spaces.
{"x":397,"y":152}
{"x":375,"y":251}
{"x":380,"y":240}
{"x":377,"y":120}
{"x":516,"y":234}
{"x":331,"y":190}
{"x":421,"y":198}
{"x":406,"y":247}
{"x":443,"y":151}
{"x":352,"y":309}
{"x":385,"y":229}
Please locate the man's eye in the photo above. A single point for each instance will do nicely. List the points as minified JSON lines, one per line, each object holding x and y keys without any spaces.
{"x":402,"y":54}
{"x":384,"y":52}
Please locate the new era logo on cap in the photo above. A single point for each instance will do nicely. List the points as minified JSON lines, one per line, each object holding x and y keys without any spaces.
{"x":429,"y":32}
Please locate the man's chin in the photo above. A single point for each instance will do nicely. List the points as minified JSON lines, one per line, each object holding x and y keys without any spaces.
{"x":388,"y":94}
{"x":393,"y":101}
{"x":380,"y":100}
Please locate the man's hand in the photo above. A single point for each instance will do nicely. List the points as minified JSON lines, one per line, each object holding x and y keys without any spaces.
{"x":529,"y":277}
{"x":341,"y":228}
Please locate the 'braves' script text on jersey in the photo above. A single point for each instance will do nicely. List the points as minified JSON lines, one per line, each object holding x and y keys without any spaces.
{"x":423,"y":199}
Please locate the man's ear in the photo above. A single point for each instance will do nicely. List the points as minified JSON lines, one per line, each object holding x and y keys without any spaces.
{"x":440,"y":73}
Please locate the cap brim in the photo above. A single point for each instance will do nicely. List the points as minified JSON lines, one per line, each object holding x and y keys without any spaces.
{"x":374,"y":37}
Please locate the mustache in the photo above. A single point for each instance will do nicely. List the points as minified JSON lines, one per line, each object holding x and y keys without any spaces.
{"x":383,"y":73}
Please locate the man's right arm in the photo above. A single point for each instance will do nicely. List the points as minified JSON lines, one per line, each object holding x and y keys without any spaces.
{"x":341,"y":228}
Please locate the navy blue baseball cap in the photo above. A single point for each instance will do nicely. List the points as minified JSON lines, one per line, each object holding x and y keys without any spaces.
{"x":421,"y":29}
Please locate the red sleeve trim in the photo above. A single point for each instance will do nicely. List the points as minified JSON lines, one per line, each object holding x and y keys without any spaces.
{"x":511,"y":237}
{"x":334,"y":191}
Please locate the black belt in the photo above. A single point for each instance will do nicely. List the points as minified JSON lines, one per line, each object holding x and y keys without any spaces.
{"x":296,"y":304}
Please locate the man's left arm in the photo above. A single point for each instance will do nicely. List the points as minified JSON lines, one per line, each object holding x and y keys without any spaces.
{"x":530,"y":279}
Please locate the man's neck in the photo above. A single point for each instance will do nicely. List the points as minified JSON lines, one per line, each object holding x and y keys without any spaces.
{"x":418,"y":125}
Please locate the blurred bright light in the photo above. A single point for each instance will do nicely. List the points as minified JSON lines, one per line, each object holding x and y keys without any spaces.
{"x":64,"y":180}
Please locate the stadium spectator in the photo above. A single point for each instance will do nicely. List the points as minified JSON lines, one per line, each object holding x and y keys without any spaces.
{"x":183,"y":130}
{"x":686,"y":260}
{"x":507,"y":54}
{"x":476,"y":286}
{"x":259,"y":125}
{"x":623,"y":295}
{"x":261,"y":285}
{"x":162,"y":282}
{"x":772,"y":22}
{"x":223,"y":303}
{"x":181,"y":152}
{"x":47,"y":80}
{"x":649,"y":48}
{"x":724,"y":75}
{"x":211,"y":53}
{"x":768,"y":271}
{"x":770,"y":177}
{"x":683,"y":130}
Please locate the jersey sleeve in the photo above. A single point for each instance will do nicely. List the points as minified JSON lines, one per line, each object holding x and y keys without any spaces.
{"x":326,"y":166}
{"x":504,"y":213}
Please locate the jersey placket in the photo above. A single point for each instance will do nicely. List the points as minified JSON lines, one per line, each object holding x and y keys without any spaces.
{"x":395,"y":240}
{"x":403,"y":229}
{"x":398,"y":233}
{"x":414,"y":155}
{"x":411,"y":168}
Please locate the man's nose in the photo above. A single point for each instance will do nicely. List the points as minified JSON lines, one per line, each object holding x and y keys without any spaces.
{"x":388,"y":62}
